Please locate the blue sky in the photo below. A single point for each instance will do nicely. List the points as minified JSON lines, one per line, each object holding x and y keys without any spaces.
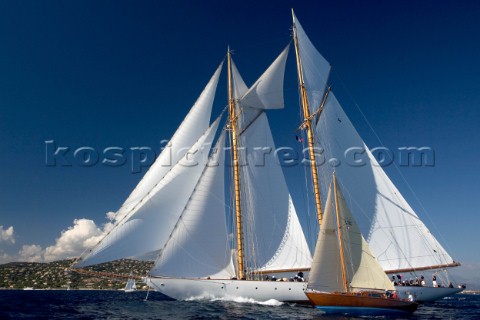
{"x":123,"y":73}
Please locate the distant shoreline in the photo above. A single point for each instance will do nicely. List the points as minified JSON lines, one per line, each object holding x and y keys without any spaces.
{"x":64,"y":289}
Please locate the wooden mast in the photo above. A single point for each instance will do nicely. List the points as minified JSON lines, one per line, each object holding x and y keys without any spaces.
{"x":308,"y":126}
{"x":340,"y":237}
{"x":236,"y":180}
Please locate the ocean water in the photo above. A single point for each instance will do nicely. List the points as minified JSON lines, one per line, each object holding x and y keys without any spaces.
{"x":52,"y":304}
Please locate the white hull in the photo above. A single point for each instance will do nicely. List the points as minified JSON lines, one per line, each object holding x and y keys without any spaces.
{"x":261,"y":291}
{"x":425,"y":294}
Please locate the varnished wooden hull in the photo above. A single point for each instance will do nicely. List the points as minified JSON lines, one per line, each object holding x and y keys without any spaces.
{"x":359,"y":303}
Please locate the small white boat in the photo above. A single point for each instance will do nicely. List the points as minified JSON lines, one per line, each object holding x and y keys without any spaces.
{"x":131,"y":286}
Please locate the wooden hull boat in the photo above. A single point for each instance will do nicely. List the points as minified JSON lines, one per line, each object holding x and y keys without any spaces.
{"x":363,"y":303}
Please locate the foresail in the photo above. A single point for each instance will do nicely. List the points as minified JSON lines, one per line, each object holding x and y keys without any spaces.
{"x":199,"y":244}
{"x":145,"y":231}
{"x":363,"y":270}
{"x":325,"y":274}
{"x":315,"y":68}
{"x":192,"y":127}
{"x":396,"y":236}
{"x":267,"y":91}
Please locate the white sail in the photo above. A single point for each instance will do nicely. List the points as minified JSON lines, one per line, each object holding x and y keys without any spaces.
{"x":265,"y":198}
{"x":293,"y":252}
{"x":326,"y":272}
{"x":199,"y":244}
{"x":268,"y":215}
{"x":267,"y":91}
{"x":192,"y":127}
{"x":397,"y":237}
{"x":144,"y":233}
{"x":315,"y":68}
{"x":130,"y":286}
{"x":362,"y":269}
{"x":239,"y":86}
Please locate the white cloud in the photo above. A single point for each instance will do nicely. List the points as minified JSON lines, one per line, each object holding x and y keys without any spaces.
{"x":111,"y":215}
{"x":83,"y":235}
{"x":72,"y":242}
{"x":31,"y":253}
{"x":7,"y":234}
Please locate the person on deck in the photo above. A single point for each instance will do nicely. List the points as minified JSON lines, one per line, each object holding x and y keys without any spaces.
{"x":422,"y":281}
{"x":410,"y":297}
{"x":300,"y":276}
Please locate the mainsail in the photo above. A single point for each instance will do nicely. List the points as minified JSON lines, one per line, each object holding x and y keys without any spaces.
{"x":395,"y":234}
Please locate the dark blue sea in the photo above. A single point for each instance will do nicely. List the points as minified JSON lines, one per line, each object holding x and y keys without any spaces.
{"x":51,"y":304}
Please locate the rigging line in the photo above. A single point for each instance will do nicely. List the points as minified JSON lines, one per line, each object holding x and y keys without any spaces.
{"x":395,"y":164}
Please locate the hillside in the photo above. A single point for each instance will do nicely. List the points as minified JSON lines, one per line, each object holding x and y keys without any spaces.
{"x":56,"y":275}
